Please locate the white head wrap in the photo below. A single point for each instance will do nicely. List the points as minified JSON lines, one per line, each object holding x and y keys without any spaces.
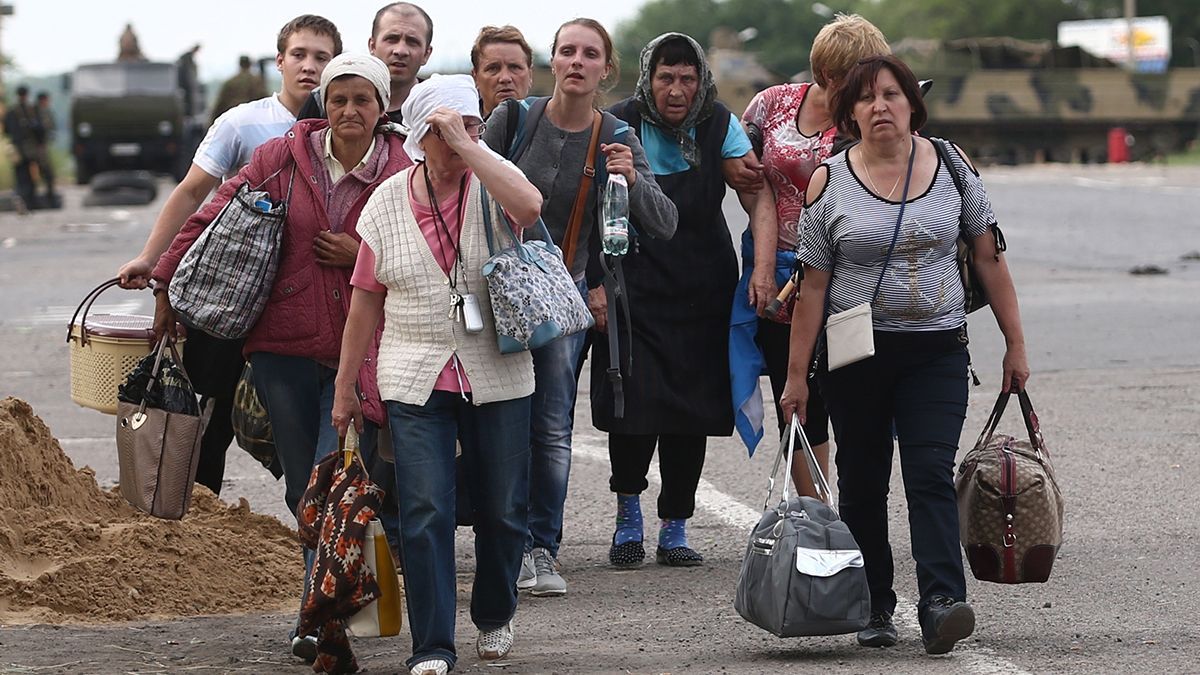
{"x":365,"y":66}
{"x":456,"y":92}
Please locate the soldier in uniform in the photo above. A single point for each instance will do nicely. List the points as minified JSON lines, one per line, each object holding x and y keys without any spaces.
{"x":43,"y":137}
{"x":241,"y":88}
{"x":21,"y":125}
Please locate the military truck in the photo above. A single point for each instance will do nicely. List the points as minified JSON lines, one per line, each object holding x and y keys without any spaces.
{"x":135,"y":115}
{"x":1011,"y":101}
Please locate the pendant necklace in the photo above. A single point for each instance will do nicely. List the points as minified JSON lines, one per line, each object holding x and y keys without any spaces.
{"x":867,"y":168}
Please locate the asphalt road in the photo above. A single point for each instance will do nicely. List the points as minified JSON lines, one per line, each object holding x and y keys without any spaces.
{"x":1116,"y":382}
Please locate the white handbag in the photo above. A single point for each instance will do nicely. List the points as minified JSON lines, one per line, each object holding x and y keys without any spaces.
{"x":850,"y":336}
{"x":850,"y":333}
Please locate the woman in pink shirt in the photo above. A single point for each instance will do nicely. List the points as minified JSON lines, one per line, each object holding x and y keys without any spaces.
{"x":440,"y":371}
{"x":792,"y":129}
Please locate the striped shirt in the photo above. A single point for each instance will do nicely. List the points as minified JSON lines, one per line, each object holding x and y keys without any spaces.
{"x":921,"y":289}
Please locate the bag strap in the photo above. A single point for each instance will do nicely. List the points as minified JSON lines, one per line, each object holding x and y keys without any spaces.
{"x":348,"y":446}
{"x":291,"y":181}
{"x":506,"y":225}
{"x":528,"y":127}
{"x":943,"y":149}
{"x":787,"y":445}
{"x":912,"y":154}
{"x":581,"y":197}
{"x":1033,"y":426}
{"x":616,"y":291}
{"x":512,"y":123}
{"x":85,"y":306}
{"x":164,"y":345}
{"x":944,"y":153}
{"x":989,"y":428}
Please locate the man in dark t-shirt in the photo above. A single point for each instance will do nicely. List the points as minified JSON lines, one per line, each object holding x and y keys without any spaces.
{"x":401,"y":37}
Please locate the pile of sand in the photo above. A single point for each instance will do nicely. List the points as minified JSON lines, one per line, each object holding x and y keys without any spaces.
{"x":71,"y":552}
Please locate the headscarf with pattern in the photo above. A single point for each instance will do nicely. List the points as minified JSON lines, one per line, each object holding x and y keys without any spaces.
{"x":702,"y":105}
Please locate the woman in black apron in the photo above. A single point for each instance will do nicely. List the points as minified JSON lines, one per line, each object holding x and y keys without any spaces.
{"x":676,"y":385}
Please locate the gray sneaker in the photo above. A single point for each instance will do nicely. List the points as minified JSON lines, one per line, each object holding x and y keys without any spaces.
{"x":528,"y":577}
{"x":549,"y":582}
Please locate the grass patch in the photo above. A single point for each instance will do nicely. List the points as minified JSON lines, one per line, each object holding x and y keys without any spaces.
{"x":1189,"y":157}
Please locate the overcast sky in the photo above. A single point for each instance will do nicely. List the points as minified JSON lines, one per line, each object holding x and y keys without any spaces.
{"x":52,"y":36}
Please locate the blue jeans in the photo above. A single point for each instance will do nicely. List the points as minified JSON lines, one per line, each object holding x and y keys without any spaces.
{"x":495,"y":454}
{"x":297,"y":393}
{"x":551,"y":423}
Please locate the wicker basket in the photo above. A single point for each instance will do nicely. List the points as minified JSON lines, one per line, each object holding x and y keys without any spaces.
{"x":105,"y":348}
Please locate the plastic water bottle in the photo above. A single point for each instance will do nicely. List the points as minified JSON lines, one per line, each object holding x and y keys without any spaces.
{"x":616,"y":216}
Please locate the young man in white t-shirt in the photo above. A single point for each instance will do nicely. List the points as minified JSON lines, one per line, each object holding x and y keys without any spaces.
{"x":306,"y":44}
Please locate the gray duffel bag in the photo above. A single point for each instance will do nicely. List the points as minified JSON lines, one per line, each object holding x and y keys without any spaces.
{"x":803,"y":572}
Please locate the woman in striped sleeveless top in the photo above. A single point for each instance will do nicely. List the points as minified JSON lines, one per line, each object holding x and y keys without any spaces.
{"x":916,"y":383}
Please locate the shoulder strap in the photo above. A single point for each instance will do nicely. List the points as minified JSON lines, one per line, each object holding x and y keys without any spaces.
{"x":581,"y":197}
{"x":524,"y":135}
{"x":512,"y":118}
{"x":912,"y":154}
{"x":952,"y":169}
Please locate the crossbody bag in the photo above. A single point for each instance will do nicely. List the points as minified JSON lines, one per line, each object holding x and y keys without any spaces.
{"x":850,"y":334}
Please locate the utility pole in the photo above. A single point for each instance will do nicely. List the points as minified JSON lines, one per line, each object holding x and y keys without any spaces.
{"x":1130,"y":14}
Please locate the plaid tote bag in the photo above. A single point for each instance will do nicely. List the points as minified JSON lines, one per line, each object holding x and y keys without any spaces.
{"x":223,"y":281}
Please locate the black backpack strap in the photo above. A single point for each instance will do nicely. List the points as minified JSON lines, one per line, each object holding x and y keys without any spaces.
{"x":512,"y":118}
{"x":615,"y":287}
{"x":524,"y":135}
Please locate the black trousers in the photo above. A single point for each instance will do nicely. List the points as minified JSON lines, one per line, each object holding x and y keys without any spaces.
{"x":214,"y":366}
{"x":918,"y":379}
{"x":774,"y":339}
{"x":680,"y":459}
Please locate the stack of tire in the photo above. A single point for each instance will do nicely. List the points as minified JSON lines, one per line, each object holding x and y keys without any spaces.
{"x":121,"y":188}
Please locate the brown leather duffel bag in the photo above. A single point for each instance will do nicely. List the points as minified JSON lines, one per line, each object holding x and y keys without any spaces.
{"x":1010,"y":510}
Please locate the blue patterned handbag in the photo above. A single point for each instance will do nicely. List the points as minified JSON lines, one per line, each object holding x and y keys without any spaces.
{"x":534,"y":299}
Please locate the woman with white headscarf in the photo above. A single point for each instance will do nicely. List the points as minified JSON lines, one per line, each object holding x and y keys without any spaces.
{"x":441,"y":382}
{"x":325,"y":170}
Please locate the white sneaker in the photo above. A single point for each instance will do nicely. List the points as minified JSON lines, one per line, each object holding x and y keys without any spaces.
{"x":549,"y":582}
{"x":528,"y":577}
{"x":496,"y":643}
{"x":430,"y":667}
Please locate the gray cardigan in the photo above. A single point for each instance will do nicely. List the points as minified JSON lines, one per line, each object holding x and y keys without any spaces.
{"x":554,"y":163}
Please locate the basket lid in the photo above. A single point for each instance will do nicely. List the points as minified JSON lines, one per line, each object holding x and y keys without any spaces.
{"x":135,"y":326}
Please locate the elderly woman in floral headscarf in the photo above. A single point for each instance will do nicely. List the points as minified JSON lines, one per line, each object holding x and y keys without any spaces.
{"x":680,"y":292}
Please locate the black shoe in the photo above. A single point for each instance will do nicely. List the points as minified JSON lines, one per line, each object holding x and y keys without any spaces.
{"x":626,"y":555}
{"x":945,"y":622}
{"x":880,"y":632}
{"x":680,"y":556}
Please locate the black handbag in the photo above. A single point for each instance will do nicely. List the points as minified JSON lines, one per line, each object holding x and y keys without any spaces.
{"x":975,"y":295}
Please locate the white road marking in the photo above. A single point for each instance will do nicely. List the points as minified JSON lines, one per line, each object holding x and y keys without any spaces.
{"x":736,"y":515}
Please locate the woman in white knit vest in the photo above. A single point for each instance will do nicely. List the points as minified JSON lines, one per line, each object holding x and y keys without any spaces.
{"x":424,"y":247}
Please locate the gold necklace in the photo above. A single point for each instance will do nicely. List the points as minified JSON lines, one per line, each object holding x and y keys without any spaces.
{"x":867,"y":168}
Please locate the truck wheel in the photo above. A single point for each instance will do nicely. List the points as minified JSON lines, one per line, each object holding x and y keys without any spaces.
{"x":135,"y":180}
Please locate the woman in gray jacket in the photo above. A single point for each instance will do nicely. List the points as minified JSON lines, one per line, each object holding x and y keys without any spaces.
{"x":583,"y":61}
